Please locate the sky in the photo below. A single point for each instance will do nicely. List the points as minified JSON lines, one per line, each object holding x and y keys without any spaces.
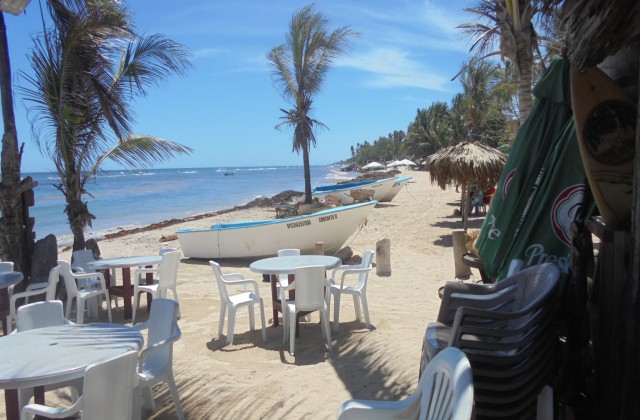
{"x":226,"y":107}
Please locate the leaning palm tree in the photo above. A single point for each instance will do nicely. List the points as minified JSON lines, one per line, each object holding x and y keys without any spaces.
{"x":299,"y":68}
{"x":87,"y":68}
{"x":506,"y":28}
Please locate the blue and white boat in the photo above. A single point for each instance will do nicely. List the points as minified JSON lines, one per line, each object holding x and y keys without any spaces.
{"x":343,"y":192}
{"x":265,"y":237}
{"x":400,"y":182}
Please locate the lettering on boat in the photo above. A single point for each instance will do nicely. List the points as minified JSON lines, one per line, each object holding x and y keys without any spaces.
{"x":327,"y":218}
{"x":301,"y":223}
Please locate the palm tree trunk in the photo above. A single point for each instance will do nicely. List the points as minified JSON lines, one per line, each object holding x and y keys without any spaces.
{"x":16,"y":235}
{"x":77,"y":213}
{"x":524,"y":56}
{"x":307,"y":174}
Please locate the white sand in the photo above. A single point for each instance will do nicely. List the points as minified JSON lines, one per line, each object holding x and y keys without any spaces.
{"x":256,"y":379}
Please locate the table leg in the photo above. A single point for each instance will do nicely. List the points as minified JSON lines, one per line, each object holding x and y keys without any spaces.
{"x":149,"y":281}
{"x":274,"y":299}
{"x":4,"y":303}
{"x":11,"y":404}
{"x":126,"y":292}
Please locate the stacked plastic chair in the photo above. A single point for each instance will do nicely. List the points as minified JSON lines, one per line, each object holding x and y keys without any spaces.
{"x":507,"y":331}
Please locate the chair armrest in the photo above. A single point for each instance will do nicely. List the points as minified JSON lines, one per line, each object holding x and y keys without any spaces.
{"x":251,"y":282}
{"x":141,"y":326}
{"x":365,"y":409}
{"x":53,"y":412}
{"x":349,"y":272}
{"x":158,"y":346}
{"x":233,"y":276}
{"x":480,"y":296}
{"x":36,"y":286}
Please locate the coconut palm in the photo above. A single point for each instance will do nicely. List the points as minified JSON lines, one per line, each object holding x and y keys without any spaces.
{"x":505,"y":28}
{"x":429,"y":131}
{"x":87,"y":68}
{"x":299,"y":68}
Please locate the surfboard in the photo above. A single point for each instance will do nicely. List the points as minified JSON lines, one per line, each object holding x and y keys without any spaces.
{"x":606,"y":124}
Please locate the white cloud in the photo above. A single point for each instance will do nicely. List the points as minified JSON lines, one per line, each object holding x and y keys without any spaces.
{"x":391,"y":67}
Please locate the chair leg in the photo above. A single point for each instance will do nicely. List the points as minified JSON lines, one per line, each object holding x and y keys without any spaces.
{"x":67,"y":312}
{"x":174,"y":394}
{"x":365,"y":309}
{"x":356,"y":306}
{"x":325,"y":326}
{"x":252,"y":316}
{"x":336,"y":312}
{"x":136,"y":303}
{"x":292,"y":331}
{"x":149,"y":398}
{"x":223,"y":310}
{"x":232,"y":324}
{"x":175,"y":297}
{"x":80,"y":309}
{"x":107,"y":301}
{"x":264,"y":331}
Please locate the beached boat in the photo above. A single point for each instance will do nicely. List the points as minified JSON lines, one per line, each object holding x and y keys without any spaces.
{"x":395,"y":188}
{"x":343,"y":192}
{"x":265,"y":237}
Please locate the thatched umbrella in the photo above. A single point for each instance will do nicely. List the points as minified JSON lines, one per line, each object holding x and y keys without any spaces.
{"x":466,"y":163}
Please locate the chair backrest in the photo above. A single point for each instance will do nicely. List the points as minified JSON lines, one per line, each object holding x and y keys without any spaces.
{"x":222,"y":287}
{"x":69,"y":280}
{"x":52,"y":283}
{"x":163,"y":325}
{"x":6,"y":266}
{"x":288,"y":252}
{"x":40,"y":315}
{"x":367,"y":262}
{"x":108,"y":388}
{"x":168,"y":269}
{"x":166,"y":249}
{"x":80,"y":259}
{"x":446,"y":387}
{"x":310,"y":288}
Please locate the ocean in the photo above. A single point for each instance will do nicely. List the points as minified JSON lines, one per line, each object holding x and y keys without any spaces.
{"x":123,"y":199}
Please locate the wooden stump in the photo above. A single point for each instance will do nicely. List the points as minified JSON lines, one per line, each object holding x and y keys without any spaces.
{"x":383,"y":257}
{"x":459,"y":237}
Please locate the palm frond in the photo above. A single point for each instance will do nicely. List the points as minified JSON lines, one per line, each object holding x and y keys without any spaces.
{"x":139,"y":151}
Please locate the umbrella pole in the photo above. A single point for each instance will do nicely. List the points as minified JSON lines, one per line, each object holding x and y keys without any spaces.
{"x":465,"y":205}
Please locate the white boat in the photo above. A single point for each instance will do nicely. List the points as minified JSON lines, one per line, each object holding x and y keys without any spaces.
{"x":401,"y":181}
{"x":265,"y":237}
{"x":342,"y":192}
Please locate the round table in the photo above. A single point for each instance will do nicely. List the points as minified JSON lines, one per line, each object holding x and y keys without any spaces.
{"x":125,"y":263}
{"x":56,"y":354}
{"x":7,"y":279}
{"x":288,"y":265}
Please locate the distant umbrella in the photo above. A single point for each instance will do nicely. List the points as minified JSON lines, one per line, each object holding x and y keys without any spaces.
{"x":466,"y":163}
{"x":373,"y":165}
{"x":407,"y":162}
{"x":394,"y":164}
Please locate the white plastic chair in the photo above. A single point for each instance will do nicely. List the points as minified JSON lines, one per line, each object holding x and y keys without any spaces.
{"x":82,"y":295}
{"x":283,"y":279}
{"x":40,"y":315}
{"x":311,"y":294}
{"x":358,"y":291}
{"x":47,"y":289}
{"x":445,"y":391}
{"x":233,"y":302}
{"x":108,"y":392}
{"x":156,"y":360}
{"x":165,"y":278}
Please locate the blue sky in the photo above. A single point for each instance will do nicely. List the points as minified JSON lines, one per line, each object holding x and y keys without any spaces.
{"x":226,"y":107}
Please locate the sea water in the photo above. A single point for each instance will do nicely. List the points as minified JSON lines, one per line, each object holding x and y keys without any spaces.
{"x":128,"y":199}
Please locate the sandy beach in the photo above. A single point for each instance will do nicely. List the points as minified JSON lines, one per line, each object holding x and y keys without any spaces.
{"x":256,"y":379}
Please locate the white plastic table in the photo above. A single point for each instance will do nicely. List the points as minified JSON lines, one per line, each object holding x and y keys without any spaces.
{"x":50,"y":355}
{"x":125,"y":263}
{"x":288,"y":265}
{"x":7,"y":279}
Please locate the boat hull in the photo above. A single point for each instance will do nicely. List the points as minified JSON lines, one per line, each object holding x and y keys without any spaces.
{"x":395,"y":188}
{"x":264,"y":238}
{"x":342,"y":191}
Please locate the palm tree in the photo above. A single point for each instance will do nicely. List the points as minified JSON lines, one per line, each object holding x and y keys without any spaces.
{"x":86,"y":70}
{"x":507,"y":25}
{"x":429,"y":131}
{"x":299,"y":68}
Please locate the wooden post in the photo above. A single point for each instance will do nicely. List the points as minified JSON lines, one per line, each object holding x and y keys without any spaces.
{"x":459,"y":237}
{"x":383,"y":257}
{"x":319,"y":248}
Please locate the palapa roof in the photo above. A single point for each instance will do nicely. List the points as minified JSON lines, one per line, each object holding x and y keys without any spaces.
{"x":466,"y":162}
{"x":596,"y":28}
